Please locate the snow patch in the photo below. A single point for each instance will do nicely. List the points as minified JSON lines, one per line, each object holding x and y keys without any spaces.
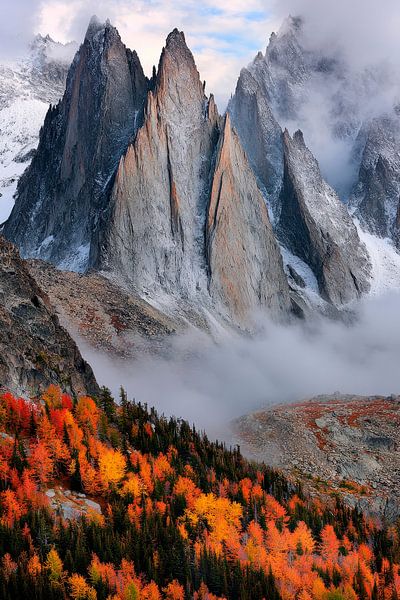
{"x":385,"y":260}
{"x":77,"y":260}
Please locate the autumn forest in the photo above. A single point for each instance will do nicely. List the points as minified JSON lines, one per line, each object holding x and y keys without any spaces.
{"x":177,"y":516}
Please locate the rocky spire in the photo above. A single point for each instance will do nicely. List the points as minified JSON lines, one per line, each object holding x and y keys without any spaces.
{"x":62,"y":193}
{"x":377,"y":193}
{"x":259,"y":132}
{"x":245,"y":265}
{"x":154,"y":234}
{"x":316,"y":226}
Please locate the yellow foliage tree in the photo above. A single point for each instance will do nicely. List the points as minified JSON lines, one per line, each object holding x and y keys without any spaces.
{"x":112,"y":466}
{"x":54,"y":565}
{"x":80,"y":589}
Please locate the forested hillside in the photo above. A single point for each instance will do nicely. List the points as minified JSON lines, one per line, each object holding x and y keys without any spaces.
{"x":167,"y":514}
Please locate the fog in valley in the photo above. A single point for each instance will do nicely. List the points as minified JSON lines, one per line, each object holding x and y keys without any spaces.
{"x":211,"y":383}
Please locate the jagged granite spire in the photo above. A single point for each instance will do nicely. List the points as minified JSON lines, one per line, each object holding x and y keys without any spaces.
{"x":154,"y":233}
{"x":259,"y":133}
{"x":316,"y":226}
{"x":133,"y":195}
{"x":63,"y":192}
{"x":376,"y":195}
{"x":246,"y":269}
{"x":186,"y":217}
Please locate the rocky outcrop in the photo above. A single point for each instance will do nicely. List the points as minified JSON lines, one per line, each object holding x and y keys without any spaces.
{"x":377,"y":193}
{"x":316,"y":226}
{"x":342,"y":442}
{"x":240,"y":239}
{"x":35,"y":350}
{"x":106,"y":317}
{"x":260,"y":134}
{"x":62,"y":194}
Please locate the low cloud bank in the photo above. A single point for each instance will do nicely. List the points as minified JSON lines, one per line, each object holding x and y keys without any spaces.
{"x":211,"y":384}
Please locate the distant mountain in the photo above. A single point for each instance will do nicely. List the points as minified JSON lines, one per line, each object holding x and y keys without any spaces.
{"x":209,"y":217}
{"x":26,"y":90}
{"x":348,"y":117}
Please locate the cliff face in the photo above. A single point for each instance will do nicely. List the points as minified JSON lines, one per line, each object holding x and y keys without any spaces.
{"x":240,"y":237}
{"x":259,"y":133}
{"x":166,"y":203}
{"x":34,"y":349}
{"x":377,"y":193}
{"x":154,"y":234}
{"x":316,"y":226}
{"x":133,"y":192}
{"x":62,"y":193}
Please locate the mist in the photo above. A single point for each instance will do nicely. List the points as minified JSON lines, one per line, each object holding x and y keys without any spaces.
{"x":210,"y":384}
{"x":360,"y":40}
{"x":18,"y":22}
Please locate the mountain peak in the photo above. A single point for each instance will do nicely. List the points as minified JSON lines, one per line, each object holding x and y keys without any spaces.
{"x":177,"y":67}
{"x":96,"y":26}
{"x":176,"y":37}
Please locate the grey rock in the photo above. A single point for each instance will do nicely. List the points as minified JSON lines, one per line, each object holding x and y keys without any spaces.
{"x":315,"y":226}
{"x":153,"y":235}
{"x":240,"y":237}
{"x":260,"y":134}
{"x":62,"y":193}
{"x":377,"y":193}
{"x":35,"y":350}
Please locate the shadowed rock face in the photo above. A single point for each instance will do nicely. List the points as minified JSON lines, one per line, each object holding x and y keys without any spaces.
{"x":259,"y":133}
{"x":34,"y":349}
{"x":240,"y":237}
{"x":316,"y":226}
{"x":62,"y":193}
{"x":377,"y":193}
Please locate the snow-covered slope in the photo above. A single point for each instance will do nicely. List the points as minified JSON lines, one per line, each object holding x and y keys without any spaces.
{"x":385,"y":261}
{"x":26,"y":90}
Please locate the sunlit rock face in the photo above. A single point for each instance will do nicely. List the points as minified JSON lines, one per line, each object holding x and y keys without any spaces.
{"x":154,"y":235}
{"x":240,"y":237}
{"x":186,"y":216}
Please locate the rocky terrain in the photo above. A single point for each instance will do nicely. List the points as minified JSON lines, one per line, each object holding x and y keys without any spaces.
{"x":103,"y":314}
{"x":69,"y":505}
{"x":35,"y":350}
{"x":336,"y":444}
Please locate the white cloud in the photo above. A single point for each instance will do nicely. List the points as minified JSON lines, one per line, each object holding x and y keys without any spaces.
{"x":224,"y":36}
{"x":210,"y":384}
